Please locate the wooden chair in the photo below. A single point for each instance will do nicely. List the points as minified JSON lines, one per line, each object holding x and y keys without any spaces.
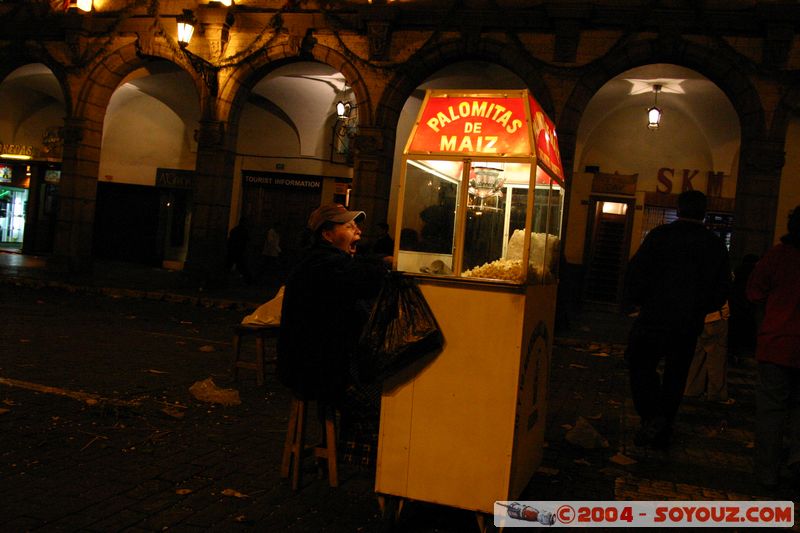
{"x":296,"y":449}
{"x":261,"y":333}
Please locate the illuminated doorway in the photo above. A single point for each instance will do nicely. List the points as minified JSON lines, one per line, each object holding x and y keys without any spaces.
{"x":14,"y":182}
{"x":607,"y":244}
{"x":12,"y":216}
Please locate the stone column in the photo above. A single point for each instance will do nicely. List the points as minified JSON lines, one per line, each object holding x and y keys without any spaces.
{"x":215,"y":22}
{"x":372,"y":172}
{"x":756,"y":197}
{"x":77,"y":196}
{"x":211,"y":202}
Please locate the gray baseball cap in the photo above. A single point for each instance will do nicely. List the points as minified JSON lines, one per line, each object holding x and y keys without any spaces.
{"x":333,"y":213}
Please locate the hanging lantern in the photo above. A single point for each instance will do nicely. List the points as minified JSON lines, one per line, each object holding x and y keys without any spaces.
{"x":654,"y":113}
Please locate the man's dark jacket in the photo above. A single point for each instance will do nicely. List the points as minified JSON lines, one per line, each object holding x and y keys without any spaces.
{"x":322,"y":318}
{"x":679,"y":274}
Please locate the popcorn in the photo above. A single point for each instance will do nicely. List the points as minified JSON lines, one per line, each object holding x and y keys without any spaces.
{"x":505,"y":269}
{"x":543,"y":246}
{"x":510,"y":270}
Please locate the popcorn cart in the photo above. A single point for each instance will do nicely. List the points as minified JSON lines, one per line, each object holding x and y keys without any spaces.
{"x":478,"y":226}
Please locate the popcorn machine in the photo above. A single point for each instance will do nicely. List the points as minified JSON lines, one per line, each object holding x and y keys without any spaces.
{"x":478,"y":225}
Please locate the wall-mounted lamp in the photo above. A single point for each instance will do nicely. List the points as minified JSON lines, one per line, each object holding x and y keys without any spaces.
{"x":83,"y":5}
{"x":186,"y":25}
{"x":654,"y":113}
{"x":215,"y":25}
{"x":343,"y":109}
{"x":345,"y":128}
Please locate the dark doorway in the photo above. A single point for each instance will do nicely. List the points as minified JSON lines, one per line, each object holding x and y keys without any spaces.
{"x":42,"y":208}
{"x":126,"y":224}
{"x":265,"y":207}
{"x":175,"y":207}
{"x":607,"y":243}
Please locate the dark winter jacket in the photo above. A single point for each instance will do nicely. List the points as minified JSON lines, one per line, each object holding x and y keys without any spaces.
{"x":679,"y":274}
{"x":321,"y":319}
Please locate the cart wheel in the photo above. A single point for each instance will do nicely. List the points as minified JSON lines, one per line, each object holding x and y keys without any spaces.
{"x":390,"y":511}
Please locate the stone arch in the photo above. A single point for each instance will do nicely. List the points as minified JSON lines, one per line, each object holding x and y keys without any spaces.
{"x":428,"y":61}
{"x":719,"y":67}
{"x":91,"y":89}
{"x":758,"y":157}
{"x":233,"y":92}
{"x":13,"y":57}
{"x":108,"y":72}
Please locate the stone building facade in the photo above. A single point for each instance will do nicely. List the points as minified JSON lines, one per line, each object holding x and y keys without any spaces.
{"x":564,"y":51}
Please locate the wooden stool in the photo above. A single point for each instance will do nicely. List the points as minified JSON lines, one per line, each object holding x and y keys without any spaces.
{"x":295,"y":448}
{"x":257,"y":364}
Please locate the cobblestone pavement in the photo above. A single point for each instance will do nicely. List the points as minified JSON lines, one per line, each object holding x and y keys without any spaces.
{"x":98,"y":431}
{"x":140,"y":453}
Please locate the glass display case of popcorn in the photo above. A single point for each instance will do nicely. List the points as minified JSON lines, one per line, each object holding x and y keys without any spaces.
{"x":478,"y":226}
{"x":468,"y":218}
{"x":467,"y":201}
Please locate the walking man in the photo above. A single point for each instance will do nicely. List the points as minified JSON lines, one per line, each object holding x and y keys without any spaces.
{"x":679,"y":274}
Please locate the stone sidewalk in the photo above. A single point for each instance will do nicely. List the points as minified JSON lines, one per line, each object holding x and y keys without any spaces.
{"x":146,"y":456}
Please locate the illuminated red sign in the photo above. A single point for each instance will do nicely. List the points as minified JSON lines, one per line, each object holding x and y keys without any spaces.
{"x":487,"y":125}
{"x":472,"y":126}
{"x":544,"y":133}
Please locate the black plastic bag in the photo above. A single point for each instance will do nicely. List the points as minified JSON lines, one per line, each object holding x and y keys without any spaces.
{"x":401,"y":329}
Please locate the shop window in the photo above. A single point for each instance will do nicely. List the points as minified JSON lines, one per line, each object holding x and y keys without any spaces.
{"x":655,"y":216}
{"x":719,"y":223}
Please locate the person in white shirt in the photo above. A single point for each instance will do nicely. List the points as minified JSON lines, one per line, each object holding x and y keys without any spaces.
{"x":708,"y":374}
